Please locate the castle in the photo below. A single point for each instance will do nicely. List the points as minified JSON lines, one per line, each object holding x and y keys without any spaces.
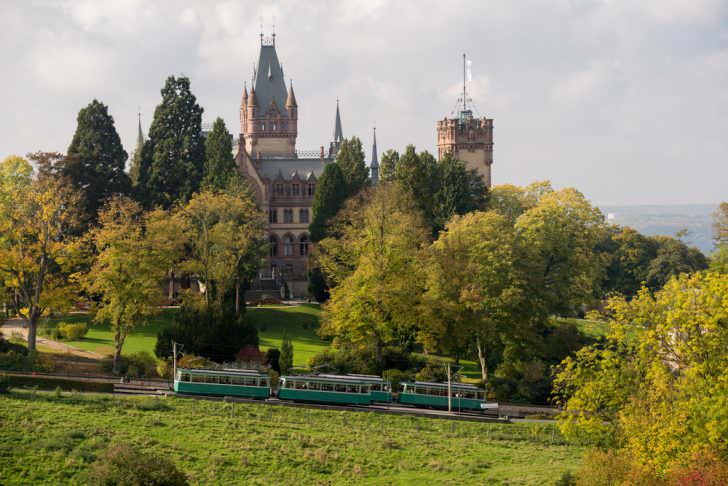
{"x":283,"y":178}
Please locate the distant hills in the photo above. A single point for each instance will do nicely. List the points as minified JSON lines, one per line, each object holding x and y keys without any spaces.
{"x":667,"y":220}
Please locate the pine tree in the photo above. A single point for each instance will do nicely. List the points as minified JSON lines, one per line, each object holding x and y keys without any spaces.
{"x":350,"y":159}
{"x":173,"y":157}
{"x":388,"y":165}
{"x":285,"y":360}
{"x":328,"y":199}
{"x":219,"y":162}
{"x":96,"y":158}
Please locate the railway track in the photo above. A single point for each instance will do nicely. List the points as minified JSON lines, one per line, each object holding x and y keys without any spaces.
{"x":163,"y":388}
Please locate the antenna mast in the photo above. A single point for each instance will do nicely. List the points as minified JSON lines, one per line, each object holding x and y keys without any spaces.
{"x":465,"y":106}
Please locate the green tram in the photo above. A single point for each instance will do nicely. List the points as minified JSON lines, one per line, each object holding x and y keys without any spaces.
{"x":379,"y":389}
{"x":464,"y":396}
{"x":238,"y":383}
{"x":342,"y":389}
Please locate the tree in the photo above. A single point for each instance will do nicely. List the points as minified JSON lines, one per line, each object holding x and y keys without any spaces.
{"x":350,"y":158}
{"x":96,"y":160}
{"x":173,"y":157}
{"x":630,"y":254}
{"x":375,"y":265}
{"x":127,"y":272}
{"x":512,"y":201}
{"x":559,"y":235}
{"x":327,"y":200}
{"x":474,"y":288}
{"x":459,"y":191}
{"x":37,"y":253}
{"x":219,"y":163}
{"x":418,"y":174}
{"x":673,"y":257}
{"x":223,"y":233}
{"x":388,"y":165}
{"x":658,"y":387}
{"x":285,"y":360}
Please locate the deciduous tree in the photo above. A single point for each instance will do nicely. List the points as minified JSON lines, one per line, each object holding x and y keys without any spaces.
{"x":37,"y":253}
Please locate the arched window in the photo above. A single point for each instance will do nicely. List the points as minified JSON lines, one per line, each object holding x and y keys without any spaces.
{"x":288,"y":245}
{"x":303,"y":245}
{"x":311,"y":188}
{"x":273,"y":242}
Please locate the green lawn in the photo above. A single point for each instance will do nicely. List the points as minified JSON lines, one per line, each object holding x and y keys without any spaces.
{"x":299,"y":322}
{"x":47,"y":438}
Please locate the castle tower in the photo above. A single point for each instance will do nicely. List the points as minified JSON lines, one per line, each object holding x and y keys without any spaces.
{"x":467,"y":138}
{"x":269,"y":114}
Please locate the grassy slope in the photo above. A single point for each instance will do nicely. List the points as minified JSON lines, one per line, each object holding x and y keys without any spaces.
{"x":47,"y":439}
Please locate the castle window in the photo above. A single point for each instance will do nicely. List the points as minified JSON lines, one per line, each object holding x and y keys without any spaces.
{"x":311,"y":188}
{"x":273,"y":215}
{"x":287,"y":245}
{"x":288,"y":215}
{"x":273,"y":242}
{"x":279,"y":189}
{"x":296,"y":189}
{"x":303,"y":215}
{"x":303,"y":245}
{"x":288,"y":189}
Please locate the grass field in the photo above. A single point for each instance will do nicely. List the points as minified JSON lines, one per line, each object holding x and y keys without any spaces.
{"x":48,"y":438}
{"x":299,"y":322}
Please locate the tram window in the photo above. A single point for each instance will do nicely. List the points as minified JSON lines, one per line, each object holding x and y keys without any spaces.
{"x":376,"y":387}
{"x":339,"y":388}
{"x":197,"y":379}
{"x":237,"y":380}
{"x":224,"y":380}
{"x":185,"y":377}
{"x":327,"y":387}
{"x":314,"y":386}
{"x":212,"y":379}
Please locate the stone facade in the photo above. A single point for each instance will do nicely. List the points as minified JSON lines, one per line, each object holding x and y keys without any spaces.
{"x":468,"y":139}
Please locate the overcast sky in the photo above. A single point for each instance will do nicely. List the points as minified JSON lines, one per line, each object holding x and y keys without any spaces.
{"x":625,"y":100}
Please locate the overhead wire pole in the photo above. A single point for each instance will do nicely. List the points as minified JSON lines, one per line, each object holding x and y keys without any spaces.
{"x":449,"y":389}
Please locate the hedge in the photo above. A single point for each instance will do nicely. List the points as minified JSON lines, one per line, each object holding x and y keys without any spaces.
{"x":50,"y":383}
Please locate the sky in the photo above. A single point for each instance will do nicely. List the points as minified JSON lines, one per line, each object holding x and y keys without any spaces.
{"x":625,"y":100}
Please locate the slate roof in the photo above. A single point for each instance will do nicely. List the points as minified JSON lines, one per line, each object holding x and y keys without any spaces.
{"x":271,"y":167}
{"x":269,"y":82}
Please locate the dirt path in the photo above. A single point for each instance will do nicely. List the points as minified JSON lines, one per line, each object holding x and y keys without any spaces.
{"x":16,"y":326}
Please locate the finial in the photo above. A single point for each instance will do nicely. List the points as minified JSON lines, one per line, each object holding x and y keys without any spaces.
{"x":139,"y":114}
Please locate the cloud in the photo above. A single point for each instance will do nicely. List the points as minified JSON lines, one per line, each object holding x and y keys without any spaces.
{"x":625,"y":100}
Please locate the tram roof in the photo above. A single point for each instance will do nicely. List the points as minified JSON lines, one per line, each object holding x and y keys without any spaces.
{"x":226,"y":371}
{"x":332,"y":378}
{"x":433,"y":384}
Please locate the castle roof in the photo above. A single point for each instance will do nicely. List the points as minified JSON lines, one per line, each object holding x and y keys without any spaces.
{"x":338,"y":133}
{"x":287,"y":168}
{"x":269,"y":83}
{"x":375,"y":158}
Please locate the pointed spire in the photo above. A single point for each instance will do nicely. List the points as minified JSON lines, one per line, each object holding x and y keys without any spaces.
{"x":245,"y":92}
{"x":140,"y":135}
{"x":375,"y":159}
{"x":291,"y":100}
{"x":338,"y":133}
{"x":251,"y":99}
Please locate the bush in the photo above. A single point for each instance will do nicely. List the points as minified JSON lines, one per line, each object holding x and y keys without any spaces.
{"x":395,"y":377}
{"x":190,"y":361}
{"x":432,"y":372}
{"x":141,"y":365}
{"x":272,"y":357}
{"x":72,"y":331}
{"x":123,"y":465}
{"x":18,"y":359}
{"x":366,"y":361}
{"x":613,"y":467}
{"x":50,"y":383}
{"x":164,"y":368}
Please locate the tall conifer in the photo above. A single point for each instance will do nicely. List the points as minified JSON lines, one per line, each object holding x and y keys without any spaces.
{"x":96,"y":159}
{"x":219,"y":162}
{"x":173,"y":156}
{"x":329,"y":198}
{"x":350,"y":158}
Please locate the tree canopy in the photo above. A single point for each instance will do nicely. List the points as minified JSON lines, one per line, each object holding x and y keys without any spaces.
{"x":328,"y":199}
{"x":219,"y":163}
{"x":350,"y":159}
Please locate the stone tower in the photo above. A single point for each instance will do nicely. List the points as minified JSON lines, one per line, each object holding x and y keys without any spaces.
{"x":269,"y":114}
{"x":467,"y":138}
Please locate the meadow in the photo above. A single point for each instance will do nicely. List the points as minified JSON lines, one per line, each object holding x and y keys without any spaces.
{"x":52,"y":438}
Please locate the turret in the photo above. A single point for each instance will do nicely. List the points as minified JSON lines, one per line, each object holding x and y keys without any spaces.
{"x":243,"y":108}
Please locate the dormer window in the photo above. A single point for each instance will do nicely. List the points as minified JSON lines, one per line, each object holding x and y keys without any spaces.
{"x":296,"y":189}
{"x":311,"y":188}
{"x":279,"y":189}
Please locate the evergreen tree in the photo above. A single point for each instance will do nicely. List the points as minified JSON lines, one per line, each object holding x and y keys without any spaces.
{"x":328,"y":199}
{"x":285,"y":360}
{"x":173,"y":157}
{"x":350,"y":159}
{"x":388,"y":165}
{"x":459,"y":191}
{"x":96,"y":158}
{"x":418,"y":174}
{"x":219,"y":162}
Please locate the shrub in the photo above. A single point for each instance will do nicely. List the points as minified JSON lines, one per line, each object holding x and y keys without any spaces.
{"x":193,"y":361}
{"x":50,"y":383}
{"x":613,"y":467}
{"x":141,"y":365}
{"x":272,"y":357}
{"x":395,"y":377}
{"x":124,"y":465}
{"x":213,"y":333}
{"x":164,"y":368}
{"x":72,"y":331}
{"x":366,"y":361}
{"x":432,"y":372}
